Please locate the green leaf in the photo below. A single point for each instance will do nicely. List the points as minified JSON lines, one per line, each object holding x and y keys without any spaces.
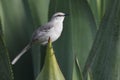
{"x":17,"y":29}
{"x":77,"y":73}
{"x":51,"y":70}
{"x":83,"y":29}
{"x":5,"y":67}
{"x":98,"y":9}
{"x":105,"y":54}
{"x":39,"y":10}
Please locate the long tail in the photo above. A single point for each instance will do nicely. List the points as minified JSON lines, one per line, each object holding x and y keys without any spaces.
{"x":20,"y":54}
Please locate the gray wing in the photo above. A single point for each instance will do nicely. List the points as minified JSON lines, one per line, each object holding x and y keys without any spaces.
{"x":41,"y":31}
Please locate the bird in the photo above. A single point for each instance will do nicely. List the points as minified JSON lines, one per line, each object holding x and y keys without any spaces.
{"x":52,"y":29}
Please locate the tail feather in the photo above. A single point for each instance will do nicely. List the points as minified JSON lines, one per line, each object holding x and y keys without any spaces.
{"x":20,"y":54}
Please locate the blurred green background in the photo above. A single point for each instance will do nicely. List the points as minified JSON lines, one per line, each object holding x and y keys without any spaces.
{"x":91,"y":35}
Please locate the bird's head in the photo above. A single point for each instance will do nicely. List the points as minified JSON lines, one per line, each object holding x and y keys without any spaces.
{"x":58,"y":17}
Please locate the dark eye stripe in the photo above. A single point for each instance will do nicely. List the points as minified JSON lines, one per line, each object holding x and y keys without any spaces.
{"x":60,"y":15}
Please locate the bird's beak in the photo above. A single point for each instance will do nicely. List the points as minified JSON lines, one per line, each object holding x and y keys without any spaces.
{"x":66,"y":15}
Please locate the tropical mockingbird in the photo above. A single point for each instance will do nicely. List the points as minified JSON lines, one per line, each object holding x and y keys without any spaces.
{"x":52,"y":29}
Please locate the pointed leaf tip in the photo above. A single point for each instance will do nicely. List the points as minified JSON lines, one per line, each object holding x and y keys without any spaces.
{"x":49,"y":43}
{"x":50,"y":70}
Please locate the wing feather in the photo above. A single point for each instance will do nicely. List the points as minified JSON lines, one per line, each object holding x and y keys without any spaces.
{"x":41,"y":31}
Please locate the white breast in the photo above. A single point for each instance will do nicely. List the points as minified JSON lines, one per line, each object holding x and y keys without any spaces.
{"x":58,"y":28}
{"x":55,"y":32}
